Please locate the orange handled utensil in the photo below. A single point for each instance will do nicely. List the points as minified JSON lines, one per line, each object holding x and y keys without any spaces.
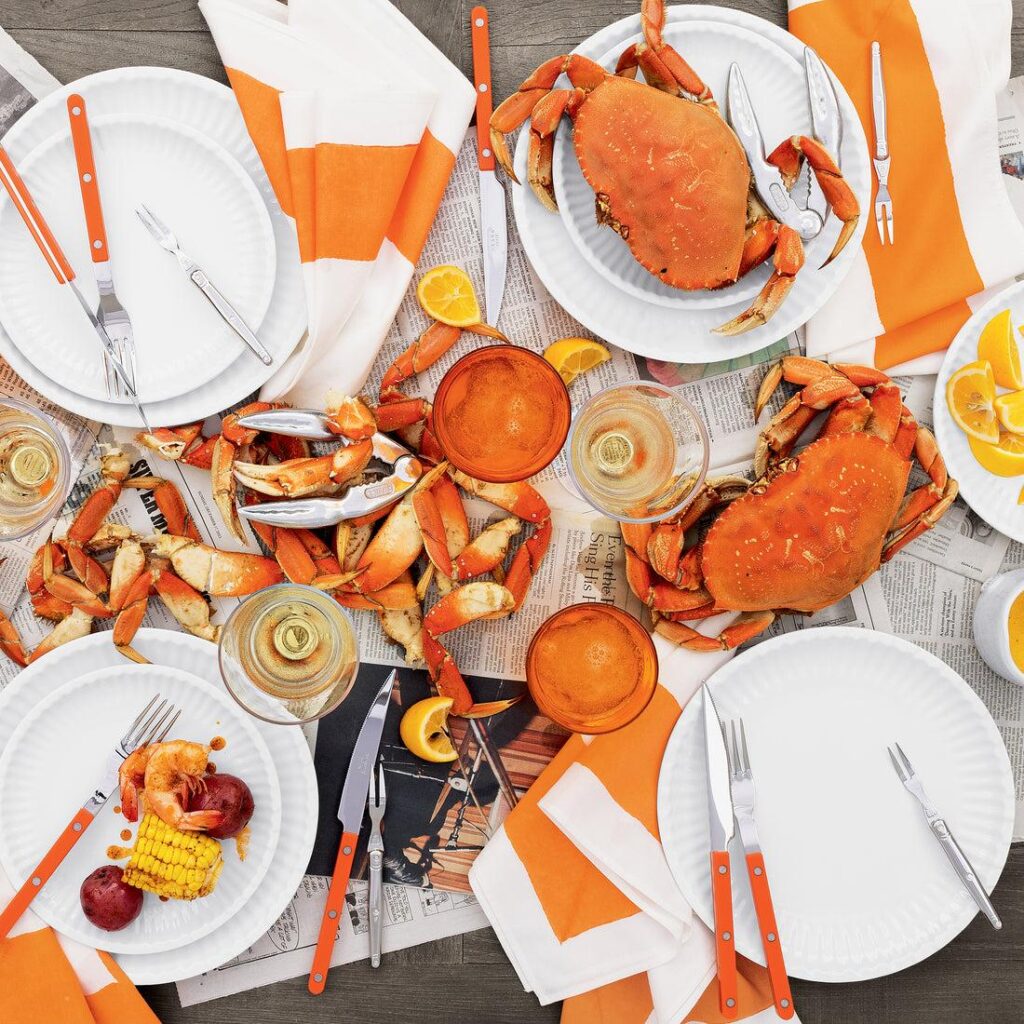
{"x":81,"y":140}
{"x":151,"y":725}
{"x":720,"y":818}
{"x":350,"y":814}
{"x":493,"y":221}
{"x":742,"y":789}
{"x":62,"y":270}
{"x":478,"y":29}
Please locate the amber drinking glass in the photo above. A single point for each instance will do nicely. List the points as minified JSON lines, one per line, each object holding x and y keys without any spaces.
{"x":501,"y":413}
{"x":591,"y":668}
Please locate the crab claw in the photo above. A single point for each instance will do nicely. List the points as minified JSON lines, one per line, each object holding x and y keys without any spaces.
{"x":480,"y":600}
{"x":216,"y":572}
{"x":298,"y":478}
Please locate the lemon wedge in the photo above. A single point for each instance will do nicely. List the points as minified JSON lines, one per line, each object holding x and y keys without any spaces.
{"x":998,"y":345}
{"x":424,"y":730}
{"x":971,"y":396}
{"x":1005,"y":458}
{"x":446,"y":294}
{"x":573,"y":356}
{"x":1010,"y":410}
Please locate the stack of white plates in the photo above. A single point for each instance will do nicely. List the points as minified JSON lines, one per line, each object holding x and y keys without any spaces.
{"x":60,"y":712}
{"x":590,"y":270}
{"x":176,"y":142}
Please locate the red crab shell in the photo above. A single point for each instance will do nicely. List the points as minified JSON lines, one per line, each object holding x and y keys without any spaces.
{"x":814,"y":534}
{"x":674,"y":185}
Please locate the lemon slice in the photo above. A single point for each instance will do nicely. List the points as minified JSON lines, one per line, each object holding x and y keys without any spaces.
{"x":1010,"y":410}
{"x":446,"y":294}
{"x":1003,"y":459}
{"x":971,"y":396}
{"x":423,"y":730}
{"x":998,"y":345}
{"x":573,"y":356}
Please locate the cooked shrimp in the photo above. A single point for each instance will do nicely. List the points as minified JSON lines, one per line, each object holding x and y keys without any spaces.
{"x":174,"y":772}
{"x":132,"y":776}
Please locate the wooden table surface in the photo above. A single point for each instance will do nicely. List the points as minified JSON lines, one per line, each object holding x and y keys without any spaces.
{"x":467,"y":979}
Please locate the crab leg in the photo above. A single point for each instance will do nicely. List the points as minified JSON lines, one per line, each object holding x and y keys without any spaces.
{"x":298,"y":478}
{"x":44,"y":604}
{"x":405,"y":627}
{"x":662,"y":65}
{"x":114,"y":468}
{"x":488,"y":549}
{"x":212,"y":571}
{"x":788,"y":259}
{"x":433,"y":343}
{"x":10,"y":642}
{"x":745,"y":628}
{"x":74,"y":627}
{"x":510,"y":114}
{"x":431,"y":525}
{"x":168,"y":499}
{"x":786,"y":156}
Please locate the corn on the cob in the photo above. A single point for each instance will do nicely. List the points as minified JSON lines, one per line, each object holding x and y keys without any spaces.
{"x":179,"y":865}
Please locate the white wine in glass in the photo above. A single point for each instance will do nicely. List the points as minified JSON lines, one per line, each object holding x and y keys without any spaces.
{"x":638,"y":452}
{"x":34,"y":477}
{"x":289,"y":654}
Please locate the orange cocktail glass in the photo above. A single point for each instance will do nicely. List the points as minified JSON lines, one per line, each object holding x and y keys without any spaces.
{"x":501,"y":413}
{"x":591,"y":668}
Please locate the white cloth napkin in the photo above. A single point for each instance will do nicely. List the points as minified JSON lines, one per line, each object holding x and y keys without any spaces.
{"x":357,"y":118}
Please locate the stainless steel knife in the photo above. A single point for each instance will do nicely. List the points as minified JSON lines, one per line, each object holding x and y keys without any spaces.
{"x":165,"y":237}
{"x":493,"y":224}
{"x":350,"y":814}
{"x":720,"y":816}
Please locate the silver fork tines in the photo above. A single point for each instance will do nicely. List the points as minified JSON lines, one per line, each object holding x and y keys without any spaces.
{"x":741,"y":783}
{"x":900,"y":761}
{"x":150,"y":726}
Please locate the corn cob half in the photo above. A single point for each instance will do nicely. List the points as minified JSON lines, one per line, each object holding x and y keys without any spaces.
{"x":168,"y":862}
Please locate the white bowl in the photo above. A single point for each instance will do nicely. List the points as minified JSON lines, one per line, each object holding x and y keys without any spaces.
{"x":991,"y":624}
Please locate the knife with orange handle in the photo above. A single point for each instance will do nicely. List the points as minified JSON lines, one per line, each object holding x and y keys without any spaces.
{"x":720,"y":817}
{"x":741,"y":788}
{"x":62,"y":270}
{"x":150,"y":726}
{"x":350,"y":814}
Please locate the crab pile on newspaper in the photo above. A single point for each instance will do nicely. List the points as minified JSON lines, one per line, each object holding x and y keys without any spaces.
{"x":926,"y":594}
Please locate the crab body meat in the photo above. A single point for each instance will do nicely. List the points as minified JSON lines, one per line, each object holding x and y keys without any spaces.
{"x":670,"y":177}
{"x":813,"y":534}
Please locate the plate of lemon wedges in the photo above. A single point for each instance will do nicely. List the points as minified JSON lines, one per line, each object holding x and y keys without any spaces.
{"x":979,"y":411}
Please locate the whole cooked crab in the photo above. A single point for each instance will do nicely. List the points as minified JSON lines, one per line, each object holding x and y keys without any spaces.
{"x":812,"y":527}
{"x":669,"y":174}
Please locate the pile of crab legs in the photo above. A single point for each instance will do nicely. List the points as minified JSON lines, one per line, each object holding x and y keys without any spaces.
{"x":369,"y":565}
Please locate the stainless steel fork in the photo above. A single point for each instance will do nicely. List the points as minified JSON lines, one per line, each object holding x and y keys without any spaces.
{"x":111,"y":314}
{"x":151,"y":725}
{"x":950,"y":847}
{"x":741,"y":789}
{"x":376,"y":805}
{"x":883,"y":201}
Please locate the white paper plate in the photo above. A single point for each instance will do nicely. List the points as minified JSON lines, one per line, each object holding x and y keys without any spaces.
{"x":209,"y":108}
{"x":860,"y":886}
{"x":209,"y":202}
{"x":62,"y":745}
{"x":710,"y":47}
{"x":291,"y":759}
{"x":994,"y":498}
{"x":640,"y":325}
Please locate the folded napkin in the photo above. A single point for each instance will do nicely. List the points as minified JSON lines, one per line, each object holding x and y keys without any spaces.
{"x":956,"y":231}
{"x":48,"y":979}
{"x":577,"y":887}
{"x":357,"y":119}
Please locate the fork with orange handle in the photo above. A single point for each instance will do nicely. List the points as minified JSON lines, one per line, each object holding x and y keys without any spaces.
{"x":741,"y":785}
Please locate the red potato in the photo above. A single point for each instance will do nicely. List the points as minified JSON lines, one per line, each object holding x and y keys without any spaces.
{"x":107,"y":901}
{"x":230,"y":795}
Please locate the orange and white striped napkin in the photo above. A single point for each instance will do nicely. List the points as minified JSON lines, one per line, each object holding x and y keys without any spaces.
{"x":956,"y":231}
{"x":357,"y":119}
{"x":48,"y":979}
{"x":577,"y":887}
